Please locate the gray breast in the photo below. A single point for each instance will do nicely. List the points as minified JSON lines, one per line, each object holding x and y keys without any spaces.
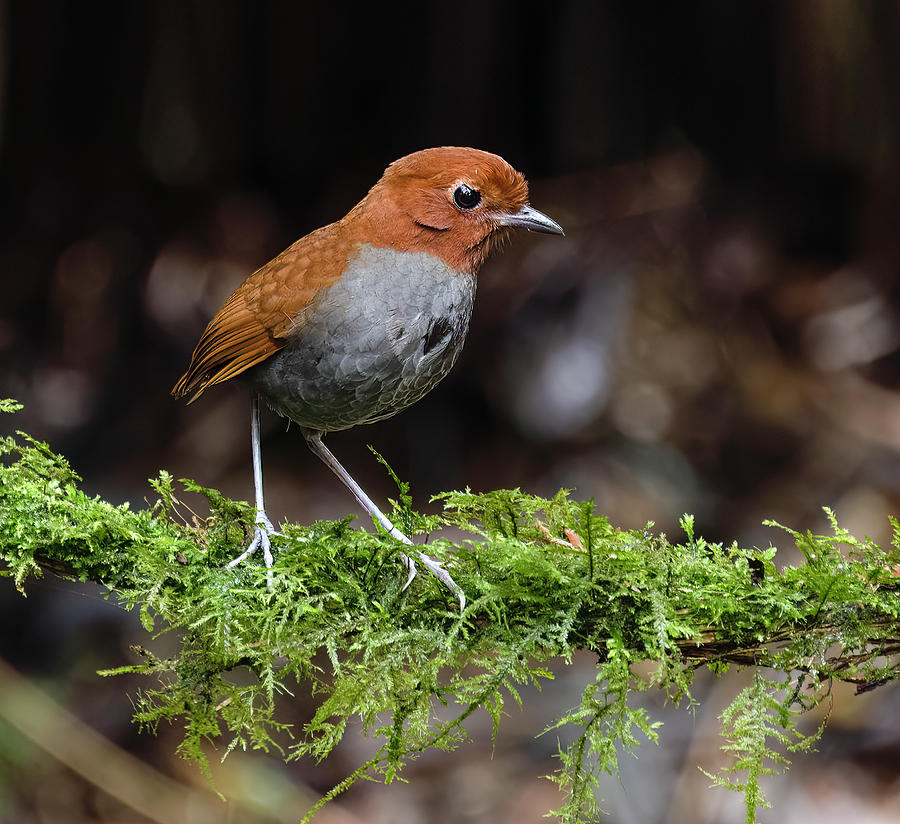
{"x":371,"y":344}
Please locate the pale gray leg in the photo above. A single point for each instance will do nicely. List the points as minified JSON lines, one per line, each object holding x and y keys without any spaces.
{"x":314,"y":439}
{"x":264,"y":527}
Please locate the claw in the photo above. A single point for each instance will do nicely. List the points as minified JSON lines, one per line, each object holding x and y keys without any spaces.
{"x":410,"y":565}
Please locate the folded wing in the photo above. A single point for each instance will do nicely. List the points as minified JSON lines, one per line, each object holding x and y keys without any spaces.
{"x":258,"y":318}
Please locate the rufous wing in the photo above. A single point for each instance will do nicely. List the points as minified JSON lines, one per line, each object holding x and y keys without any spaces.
{"x":233,"y":341}
{"x":258,"y":318}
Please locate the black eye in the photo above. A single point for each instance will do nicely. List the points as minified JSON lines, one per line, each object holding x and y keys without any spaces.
{"x":466,"y":197}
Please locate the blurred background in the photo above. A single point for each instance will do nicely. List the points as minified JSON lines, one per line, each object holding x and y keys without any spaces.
{"x":718,"y":333}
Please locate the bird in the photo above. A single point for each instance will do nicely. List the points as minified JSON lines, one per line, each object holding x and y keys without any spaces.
{"x":359,"y":319}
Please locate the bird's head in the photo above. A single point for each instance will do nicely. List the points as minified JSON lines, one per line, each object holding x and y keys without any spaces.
{"x":455,"y":203}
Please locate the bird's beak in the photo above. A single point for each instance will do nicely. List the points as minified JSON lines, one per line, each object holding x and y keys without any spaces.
{"x":533,"y":220}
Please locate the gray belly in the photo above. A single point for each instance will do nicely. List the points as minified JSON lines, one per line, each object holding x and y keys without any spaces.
{"x":371,"y":344}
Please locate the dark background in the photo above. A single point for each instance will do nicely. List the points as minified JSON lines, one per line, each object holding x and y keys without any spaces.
{"x":718,"y":332}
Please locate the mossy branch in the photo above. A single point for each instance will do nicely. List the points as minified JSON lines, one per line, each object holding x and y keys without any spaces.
{"x":544,"y":577}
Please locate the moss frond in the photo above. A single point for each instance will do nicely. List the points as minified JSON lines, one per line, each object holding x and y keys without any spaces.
{"x":543,"y":577}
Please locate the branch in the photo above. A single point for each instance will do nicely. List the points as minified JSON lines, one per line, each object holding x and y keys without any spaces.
{"x":544,"y":577}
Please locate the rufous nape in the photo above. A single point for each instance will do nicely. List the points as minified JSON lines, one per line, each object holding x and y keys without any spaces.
{"x":361,"y":318}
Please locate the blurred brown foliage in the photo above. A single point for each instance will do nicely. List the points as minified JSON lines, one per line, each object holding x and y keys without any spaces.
{"x":718,"y":333}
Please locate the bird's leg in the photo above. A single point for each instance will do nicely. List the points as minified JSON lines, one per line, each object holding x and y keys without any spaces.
{"x":263,"y":528}
{"x":314,"y":439}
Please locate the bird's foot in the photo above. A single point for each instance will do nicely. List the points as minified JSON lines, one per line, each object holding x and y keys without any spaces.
{"x":261,"y":538}
{"x":410,"y":565}
{"x":434,"y":566}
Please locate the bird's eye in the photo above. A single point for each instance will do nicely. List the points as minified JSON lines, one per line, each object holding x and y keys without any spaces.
{"x":466,"y":197}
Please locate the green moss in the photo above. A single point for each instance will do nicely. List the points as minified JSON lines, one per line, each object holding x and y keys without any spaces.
{"x":543,"y":577}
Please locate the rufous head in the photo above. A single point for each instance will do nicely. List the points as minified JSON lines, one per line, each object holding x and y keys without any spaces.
{"x":455,"y":203}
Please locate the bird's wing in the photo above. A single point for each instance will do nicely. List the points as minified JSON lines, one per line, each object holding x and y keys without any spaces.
{"x":258,"y":318}
{"x":233,"y":342}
